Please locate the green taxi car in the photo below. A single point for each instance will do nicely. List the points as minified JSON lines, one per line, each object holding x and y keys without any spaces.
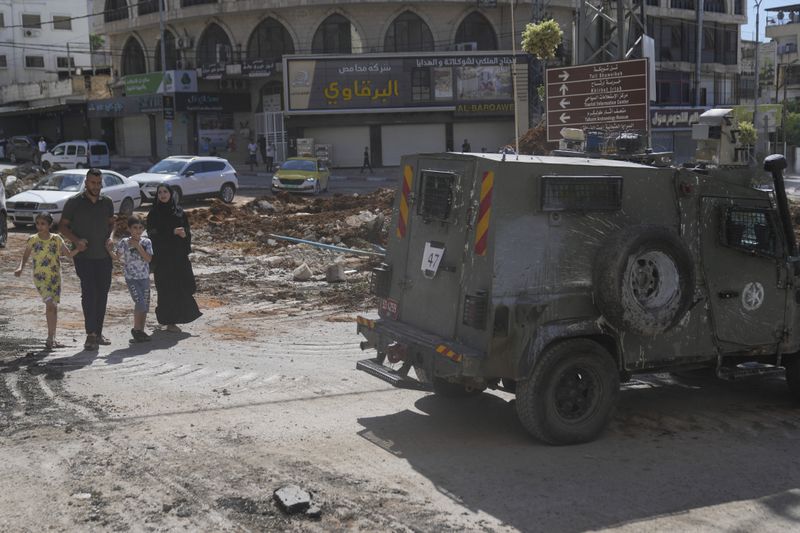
{"x":302,"y":174}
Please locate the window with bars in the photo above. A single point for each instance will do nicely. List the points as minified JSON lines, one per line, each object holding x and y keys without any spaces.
{"x":750,"y":230}
{"x":436,"y":199}
{"x":3,"y":62}
{"x":115,"y":10}
{"x":65,"y":62}
{"x":34,"y":61}
{"x":2,"y":21}
{"x":421,"y":85}
{"x":62,"y":22}
{"x":581,"y":193}
{"x":149,"y":6}
{"x":408,"y":33}
{"x":714,"y":6}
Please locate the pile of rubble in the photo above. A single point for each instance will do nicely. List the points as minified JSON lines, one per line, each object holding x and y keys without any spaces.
{"x":236,"y":256}
{"x":21,"y":178}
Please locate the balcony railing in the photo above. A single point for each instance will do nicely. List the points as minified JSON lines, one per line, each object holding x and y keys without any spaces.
{"x":783,"y":17}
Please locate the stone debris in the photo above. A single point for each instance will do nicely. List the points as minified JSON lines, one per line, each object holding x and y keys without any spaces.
{"x":292,"y":499}
{"x":334,"y":273}
{"x":302,"y":273}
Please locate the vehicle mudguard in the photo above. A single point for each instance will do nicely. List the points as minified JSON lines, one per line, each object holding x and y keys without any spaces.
{"x":546,"y":334}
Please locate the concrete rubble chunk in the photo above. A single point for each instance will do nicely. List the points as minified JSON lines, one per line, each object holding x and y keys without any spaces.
{"x":264,"y":205}
{"x":302,"y":273}
{"x":292,"y":499}
{"x":361,"y":219}
{"x":334,"y":273}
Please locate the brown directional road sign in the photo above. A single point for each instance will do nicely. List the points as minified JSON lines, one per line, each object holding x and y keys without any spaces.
{"x":607,"y":96}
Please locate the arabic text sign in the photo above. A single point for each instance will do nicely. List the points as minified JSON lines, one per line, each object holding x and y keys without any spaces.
{"x":608,"y":96}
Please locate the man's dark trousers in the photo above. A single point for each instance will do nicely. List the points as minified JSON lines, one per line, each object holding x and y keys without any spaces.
{"x":95,"y":276}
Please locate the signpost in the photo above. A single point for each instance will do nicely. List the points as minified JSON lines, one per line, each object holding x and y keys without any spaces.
{"x":605,"y":96}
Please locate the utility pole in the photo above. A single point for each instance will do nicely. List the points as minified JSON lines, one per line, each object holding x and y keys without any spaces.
{"x":699,"y":52}
{"x":167,"y":121}
{"x":755,"y":89}
{"x":514,"y":78}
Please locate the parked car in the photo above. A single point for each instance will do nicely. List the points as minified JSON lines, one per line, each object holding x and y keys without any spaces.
{"x":302,"y":174}
{"x":3,"y":216}
{"x":77,"y":154}
{"x":21,"y":148}
{"x":190,"y":176}
{"x":53,"y":191}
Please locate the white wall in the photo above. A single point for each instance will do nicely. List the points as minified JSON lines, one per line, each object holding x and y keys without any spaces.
{"x":489,"y":135}
{"x":403,"y":139}
{"x":51,"y":43}
{"x":348,"y":143}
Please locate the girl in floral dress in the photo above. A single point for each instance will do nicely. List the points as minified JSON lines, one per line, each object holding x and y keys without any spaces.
{"x":46,"y":249}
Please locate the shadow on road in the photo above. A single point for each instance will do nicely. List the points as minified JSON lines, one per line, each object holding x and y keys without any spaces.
{"x":674,"y":445}
{"x":160,"y":340}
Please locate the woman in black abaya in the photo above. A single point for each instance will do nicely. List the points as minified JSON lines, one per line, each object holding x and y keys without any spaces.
{"x":168,"y":229}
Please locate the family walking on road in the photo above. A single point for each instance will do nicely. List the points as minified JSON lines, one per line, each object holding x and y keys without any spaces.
{"x":88,"y":222}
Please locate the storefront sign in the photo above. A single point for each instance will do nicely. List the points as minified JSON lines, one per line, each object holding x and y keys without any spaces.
{"x":125,"y":106}
{"x":504,"y":108}
{"x":258,"y":68}
{"x":675,"y":118}
{"x":213,"y":71}
{"x":213,"y":102}
{"x":169,"y":107}
{"x":142,"y":83}
{"x":373,"y":82}
{"x":180,"y":81}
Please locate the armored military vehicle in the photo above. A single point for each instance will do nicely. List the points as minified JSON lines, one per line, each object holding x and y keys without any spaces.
{"x":555,"y":278}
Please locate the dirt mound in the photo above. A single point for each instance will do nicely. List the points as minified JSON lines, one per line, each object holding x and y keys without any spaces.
{"x":26,"y":175}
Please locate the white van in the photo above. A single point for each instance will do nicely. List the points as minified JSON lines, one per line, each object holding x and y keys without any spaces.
{"x":77,"y":154}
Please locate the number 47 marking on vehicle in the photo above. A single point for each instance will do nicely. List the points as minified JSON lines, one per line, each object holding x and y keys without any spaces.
{"x":431,"y":258}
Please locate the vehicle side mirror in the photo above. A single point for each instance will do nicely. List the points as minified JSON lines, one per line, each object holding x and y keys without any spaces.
{"x":189,"y":173}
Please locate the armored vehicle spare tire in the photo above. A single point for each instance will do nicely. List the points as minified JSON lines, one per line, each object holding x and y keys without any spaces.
{"x":643,"y":280}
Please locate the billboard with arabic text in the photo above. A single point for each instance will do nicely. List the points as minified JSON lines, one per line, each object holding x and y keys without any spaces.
{"x":397,"y":82}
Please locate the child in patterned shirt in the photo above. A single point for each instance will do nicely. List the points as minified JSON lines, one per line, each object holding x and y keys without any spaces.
{"x":46,"y":249}
{"x":136,"y":252}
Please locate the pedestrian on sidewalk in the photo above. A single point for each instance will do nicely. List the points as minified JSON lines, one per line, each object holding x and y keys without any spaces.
{"x":270,"y":161}
{"x":465,"y":147}
{"x":88,"y":222}
{"x":136,"y":252}
{"x":252,"y":150}
{"x":168,"y":228}
{"x":366,"y":164}
{"x":47,"y":250}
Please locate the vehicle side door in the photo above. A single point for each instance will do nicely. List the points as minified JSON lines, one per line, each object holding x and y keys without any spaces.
{"x":113,"y":188}
{"x":214,"y":176}
{"x":70,"y":156}
{"x":745,"y":269}
{"x":81,"y":156}
{"x":58,"y":154}
{"x":190,"y":184}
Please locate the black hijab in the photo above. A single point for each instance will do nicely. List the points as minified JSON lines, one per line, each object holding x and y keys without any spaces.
{"x":164,"y":217}
{"x":168,"y":208}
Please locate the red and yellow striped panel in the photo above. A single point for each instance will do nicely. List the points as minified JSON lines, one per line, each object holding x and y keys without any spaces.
{"x":450,"y":354}
{"x":402,"y":221}
{"x":484,"y":213}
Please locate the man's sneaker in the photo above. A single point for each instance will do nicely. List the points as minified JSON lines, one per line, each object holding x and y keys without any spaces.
{"x":102,"y":340}
{"x":91,"y":343}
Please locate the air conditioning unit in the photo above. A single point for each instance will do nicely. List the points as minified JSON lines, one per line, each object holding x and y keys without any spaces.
{"x":32,"y":33}
{"x":467,"y":47}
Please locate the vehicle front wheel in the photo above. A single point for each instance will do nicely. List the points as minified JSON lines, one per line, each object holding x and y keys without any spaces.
{"x":3,"y":230}
{"x":126,"y":207}
{"x":571,"y":394}
{"x":227,"y":193}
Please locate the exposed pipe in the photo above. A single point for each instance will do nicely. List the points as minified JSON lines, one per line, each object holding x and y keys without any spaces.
{"x":328,"y":246}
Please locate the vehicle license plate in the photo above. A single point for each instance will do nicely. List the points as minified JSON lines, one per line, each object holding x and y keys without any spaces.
{"x":387,"y":308}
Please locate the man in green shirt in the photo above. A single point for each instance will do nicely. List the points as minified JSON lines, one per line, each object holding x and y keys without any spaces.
{"x":88,"y":221}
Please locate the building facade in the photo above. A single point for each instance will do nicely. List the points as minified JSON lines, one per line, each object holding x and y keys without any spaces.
{"x":47,"y":72}
{"x":442,"y":75}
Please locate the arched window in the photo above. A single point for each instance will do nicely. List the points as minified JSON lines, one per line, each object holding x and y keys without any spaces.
{"x":115,"y":10}
{"x":214,"y":46}
{"x":170,"y":51}
{"x":269,"y":40}
{"x":336,"y":35}
{"x":149,"y":6}
{"x":133,"y":58}
{"x":476,"y":29}
{"x":408,"y":33}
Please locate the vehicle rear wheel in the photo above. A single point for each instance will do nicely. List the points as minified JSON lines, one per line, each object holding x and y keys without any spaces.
{"x":448,"y":389}
{"x":227,"y":193}
{"x":643,"y":280}
{"x":126,"y":207}
{"x":78,"y":165}
{"x":792,"y":365}
{"x":571,"y":394}
{"x":3,"y":230}
{"x":177,"y":195}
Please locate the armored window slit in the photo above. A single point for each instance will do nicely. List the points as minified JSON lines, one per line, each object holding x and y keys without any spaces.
{"x":436,"y":195}
{"x":581,"y":193}
{"x":750,"y":230}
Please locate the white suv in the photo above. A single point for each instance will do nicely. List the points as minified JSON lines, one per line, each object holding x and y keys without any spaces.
{"x":189,"y":175}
